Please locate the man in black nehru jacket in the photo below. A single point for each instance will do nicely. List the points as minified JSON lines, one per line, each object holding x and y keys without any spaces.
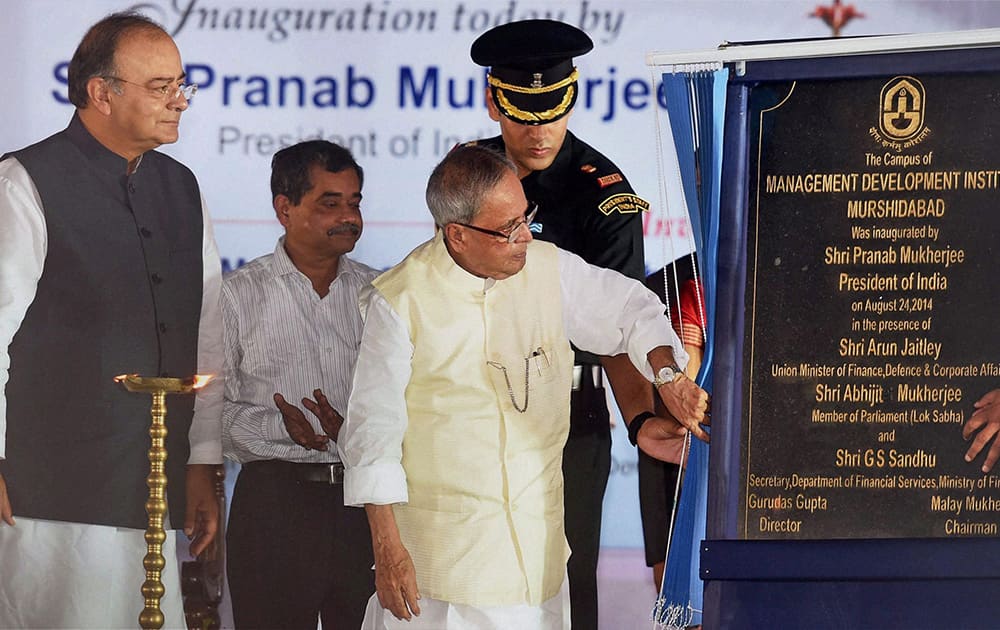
{"x":107,"y":266}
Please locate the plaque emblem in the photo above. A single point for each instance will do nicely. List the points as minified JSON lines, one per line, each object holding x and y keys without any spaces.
{"x":536,"y":80}
{"x":902,"y":108}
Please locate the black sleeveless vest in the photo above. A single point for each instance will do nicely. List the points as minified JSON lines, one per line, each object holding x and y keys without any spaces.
{"x":120,"y":292}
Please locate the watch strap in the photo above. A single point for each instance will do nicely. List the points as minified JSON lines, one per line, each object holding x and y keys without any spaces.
{"x":676,"y":374}
{"x":636,"y":424}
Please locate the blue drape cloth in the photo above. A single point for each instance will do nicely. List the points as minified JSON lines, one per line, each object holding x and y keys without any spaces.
{"x":696,"y":103}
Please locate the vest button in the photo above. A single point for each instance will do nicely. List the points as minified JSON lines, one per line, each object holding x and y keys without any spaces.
{"x":131,"y":187}
{"x":145,"y":232}
{"x":156,"y":278}
{"x":163,"y":327}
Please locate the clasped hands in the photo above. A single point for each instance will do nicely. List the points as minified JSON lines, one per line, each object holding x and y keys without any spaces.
{"x":298,"y":427}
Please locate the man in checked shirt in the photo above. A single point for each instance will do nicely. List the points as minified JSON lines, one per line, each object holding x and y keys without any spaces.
{"x":292,"y":330}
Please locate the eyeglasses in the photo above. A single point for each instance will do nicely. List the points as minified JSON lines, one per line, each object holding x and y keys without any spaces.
{"x":511,"y":235}
{"x":166,"y":92}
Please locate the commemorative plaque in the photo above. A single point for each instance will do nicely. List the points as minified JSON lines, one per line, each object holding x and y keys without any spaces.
{"x":871,"y":320}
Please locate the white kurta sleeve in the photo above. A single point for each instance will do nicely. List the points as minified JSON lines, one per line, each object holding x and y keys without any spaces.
{"x":607,"y":313}
{"x":205,"y":435}
{"x":371,"y":440}
{"x":23,"y":244}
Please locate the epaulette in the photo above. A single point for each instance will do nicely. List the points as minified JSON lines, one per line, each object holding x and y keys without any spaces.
{"x":603,"y":181}
{"x":623,"y":203}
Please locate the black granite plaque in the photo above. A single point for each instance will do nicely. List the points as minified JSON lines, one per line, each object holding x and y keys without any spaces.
{"x":871,"y":318}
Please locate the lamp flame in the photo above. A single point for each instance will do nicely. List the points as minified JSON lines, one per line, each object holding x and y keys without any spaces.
{"x":163,"y":384}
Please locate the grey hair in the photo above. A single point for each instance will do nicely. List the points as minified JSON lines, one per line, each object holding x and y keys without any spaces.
{"x":459,"y":184}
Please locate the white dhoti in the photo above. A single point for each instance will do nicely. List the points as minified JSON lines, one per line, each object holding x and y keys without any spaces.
{"x":435,"y":614}
{"x":69,"y":575}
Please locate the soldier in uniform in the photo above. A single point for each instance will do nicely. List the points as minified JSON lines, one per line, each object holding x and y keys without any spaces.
{"x":586,"y":206}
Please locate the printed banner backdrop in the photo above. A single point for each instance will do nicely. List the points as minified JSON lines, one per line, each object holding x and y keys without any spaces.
{"x":393,"y":81}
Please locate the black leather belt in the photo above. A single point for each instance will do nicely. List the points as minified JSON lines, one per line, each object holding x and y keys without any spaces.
{"x":332,"y":473}
{"x":587,"y":376}
{"x":325,"y":473}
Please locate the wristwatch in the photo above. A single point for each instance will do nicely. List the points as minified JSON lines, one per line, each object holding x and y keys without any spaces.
{"x":667,"y":374}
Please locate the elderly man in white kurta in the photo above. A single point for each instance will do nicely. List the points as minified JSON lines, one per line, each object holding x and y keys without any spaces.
{"x":460,"y":405}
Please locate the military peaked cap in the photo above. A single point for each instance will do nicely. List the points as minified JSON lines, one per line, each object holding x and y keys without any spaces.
{"x":532,"y":78}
